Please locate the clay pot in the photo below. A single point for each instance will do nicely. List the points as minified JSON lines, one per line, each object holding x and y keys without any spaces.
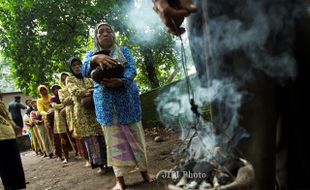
{"x":115,"y":72}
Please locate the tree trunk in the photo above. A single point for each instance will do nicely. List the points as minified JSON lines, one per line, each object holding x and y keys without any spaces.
{"x":150,"y":68}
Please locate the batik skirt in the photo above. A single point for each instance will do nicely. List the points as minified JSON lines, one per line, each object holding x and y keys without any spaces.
{"x":96,"y":149}
{"x":126,"y":148}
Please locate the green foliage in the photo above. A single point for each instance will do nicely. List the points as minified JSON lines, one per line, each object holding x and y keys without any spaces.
{"x":6,"y":79}
{"x":38,"y":36}
{"x":157,"y":62}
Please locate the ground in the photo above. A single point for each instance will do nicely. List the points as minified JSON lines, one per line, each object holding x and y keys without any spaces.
{"x":49,"y":174}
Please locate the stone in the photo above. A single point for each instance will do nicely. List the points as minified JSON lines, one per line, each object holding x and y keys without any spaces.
{"x":158,"y":139}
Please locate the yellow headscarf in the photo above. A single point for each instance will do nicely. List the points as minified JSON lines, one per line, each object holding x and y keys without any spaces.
{"x":45,"y":98}
{"x":43,"y":103}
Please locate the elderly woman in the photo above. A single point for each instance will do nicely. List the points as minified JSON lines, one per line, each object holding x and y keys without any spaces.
{"x":86,"y":126}
{"x":118,"y":108}
{"x":66,"y":99}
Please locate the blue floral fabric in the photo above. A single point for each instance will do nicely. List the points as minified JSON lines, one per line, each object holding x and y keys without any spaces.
{"x":125,"y":101}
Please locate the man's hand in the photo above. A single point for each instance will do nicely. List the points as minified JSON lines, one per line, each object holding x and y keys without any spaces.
{"x":112,"y":83}
{"x":173,"y":12}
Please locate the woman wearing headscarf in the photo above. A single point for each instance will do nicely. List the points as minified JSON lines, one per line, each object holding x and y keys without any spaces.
{"x":66,"y":100}
{"x":11,"y":168}
{"x":28,"y":123}
{"x":36,"y":135}
{"x":43,"y":108}
{"x":60,"y":124}
{"x":118,"y":109}
{"x":86,"y":126}
{"x":53,"y":122}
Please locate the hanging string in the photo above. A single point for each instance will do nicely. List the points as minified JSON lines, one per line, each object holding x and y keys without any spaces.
{"x":189,"y":88}
{"x":191,"y":95}
{"x":194,"y":108}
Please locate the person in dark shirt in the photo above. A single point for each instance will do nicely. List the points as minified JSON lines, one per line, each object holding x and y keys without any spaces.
{"x":15,"y":110}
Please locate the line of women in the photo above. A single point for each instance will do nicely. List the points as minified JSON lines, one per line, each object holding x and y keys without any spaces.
{"x":59,"y":123}
{"x":111,"y":135}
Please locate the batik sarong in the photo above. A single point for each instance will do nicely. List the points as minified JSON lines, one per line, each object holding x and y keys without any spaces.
{"x":126,"y":148}
{"x":96,"y":149}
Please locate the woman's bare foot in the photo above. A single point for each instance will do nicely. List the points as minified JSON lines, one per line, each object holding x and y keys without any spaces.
{"x":101,"y":171}
{"x":118,"y":186}
{"x":120,"y":183}
{"x":87,"y":165}
{"x":65,"y":161}
{"x":148,"y":177}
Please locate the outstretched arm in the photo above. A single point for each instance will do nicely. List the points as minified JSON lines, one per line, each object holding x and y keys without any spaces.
{"x":22,"y":106}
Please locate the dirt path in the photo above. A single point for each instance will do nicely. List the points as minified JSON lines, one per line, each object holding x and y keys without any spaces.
{"x":49,"y":174}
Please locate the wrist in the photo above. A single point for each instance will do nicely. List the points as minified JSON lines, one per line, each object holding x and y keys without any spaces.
{"x":93,"y":64}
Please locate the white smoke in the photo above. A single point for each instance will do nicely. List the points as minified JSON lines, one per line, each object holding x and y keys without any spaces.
{"x":144,"y":20}
{"x":175,"y":110}
{"x":247,"y":37}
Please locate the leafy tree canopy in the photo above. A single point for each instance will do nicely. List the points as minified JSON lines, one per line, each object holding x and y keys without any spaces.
{"x":38,"y":36}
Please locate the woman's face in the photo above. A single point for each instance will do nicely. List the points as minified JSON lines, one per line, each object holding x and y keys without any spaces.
{"x":55,"y":90}
{"x":43,"y":91}
{"x":105,"y":37}
{"x":33,"y":104}
{"x":76,"y":67}
{"x":63,"y":78}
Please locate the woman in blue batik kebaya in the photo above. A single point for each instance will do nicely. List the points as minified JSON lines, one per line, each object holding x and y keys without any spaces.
{"x":118,"y":107}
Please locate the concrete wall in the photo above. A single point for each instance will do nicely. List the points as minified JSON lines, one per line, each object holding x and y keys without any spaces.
{"x":150,"y":116}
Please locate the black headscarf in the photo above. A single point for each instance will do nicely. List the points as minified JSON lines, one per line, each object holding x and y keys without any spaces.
{"x":70,"y":61}
{"x":56,"y":97}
